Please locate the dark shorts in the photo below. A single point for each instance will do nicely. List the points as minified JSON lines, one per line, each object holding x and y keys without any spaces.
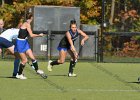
{"x":4,"y":43}
{"x":62,"y":48}
{"x":21,"y":45}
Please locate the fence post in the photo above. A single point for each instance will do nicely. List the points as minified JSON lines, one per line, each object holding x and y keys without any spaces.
{"x":99,"y":47}
{"x":96,"y":46}
{"x":102,"y":29}
{"x":48,"y":45}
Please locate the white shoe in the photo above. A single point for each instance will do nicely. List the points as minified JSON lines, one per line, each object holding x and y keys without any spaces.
{"x":39,"y":71}
{"x":72,"y":75}
{"x":21,"y":76}
{"x":49,"y":66}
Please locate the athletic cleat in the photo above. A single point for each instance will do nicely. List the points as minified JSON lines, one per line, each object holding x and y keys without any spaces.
{"x":21,"y":76}
{"x":39,"y":72}
{"x":72,"y":75}
{"x":49,"y":66}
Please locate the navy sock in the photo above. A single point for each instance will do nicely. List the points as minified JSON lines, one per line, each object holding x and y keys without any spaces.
{"x":16,"y":65}
{"x":71,"y":67}
{"x":55,"y":63}
{"x":21,"y":67}
{"x":35,"y":64}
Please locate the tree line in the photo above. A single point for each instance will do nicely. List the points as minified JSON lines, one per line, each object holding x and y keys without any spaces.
{"x":119,"y":14}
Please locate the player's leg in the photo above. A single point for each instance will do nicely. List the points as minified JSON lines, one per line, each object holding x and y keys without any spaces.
{"x":61,"y":60}
{"x":16,"y":64}
{"x":34,"y":61}
{"x":16,"y":61}
{"x":9,"y":45}
{"x":0,"y":50}
{"x":21,"y":66}
{"x":11,"y":49}
{"x":21,"y":50}
{"x":72,"y":64}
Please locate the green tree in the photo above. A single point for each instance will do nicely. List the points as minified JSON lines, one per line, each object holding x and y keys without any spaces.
{"x":90,"y":11}
{"x":126,"y":15}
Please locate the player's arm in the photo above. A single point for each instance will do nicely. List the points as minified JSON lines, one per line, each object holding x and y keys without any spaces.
{"x":28,"y":26}
{"x":85,"y":37}
{"x":71,"y":42}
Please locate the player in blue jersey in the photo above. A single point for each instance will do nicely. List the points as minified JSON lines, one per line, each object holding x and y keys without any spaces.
{"x":66,"y":45}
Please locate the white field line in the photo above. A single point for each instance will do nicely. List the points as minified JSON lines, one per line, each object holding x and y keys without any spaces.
{"x":95,"y":90}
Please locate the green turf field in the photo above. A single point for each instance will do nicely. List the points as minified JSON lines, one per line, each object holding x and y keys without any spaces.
{"x":95,"y":81}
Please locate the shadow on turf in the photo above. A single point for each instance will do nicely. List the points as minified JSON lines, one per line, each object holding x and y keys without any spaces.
{"x":134,"y":82}
{"x":7,"y":77}
{"x":10,"y":77}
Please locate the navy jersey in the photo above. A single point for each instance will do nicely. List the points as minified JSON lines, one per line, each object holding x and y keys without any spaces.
{"x":64,"y":43}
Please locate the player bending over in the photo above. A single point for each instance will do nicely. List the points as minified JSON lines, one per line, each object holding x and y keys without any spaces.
{"x":6,"y":42}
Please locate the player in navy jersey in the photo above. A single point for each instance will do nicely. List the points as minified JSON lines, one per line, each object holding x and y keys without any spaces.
{"x":66,"y":45}
{"x":23,"y":48}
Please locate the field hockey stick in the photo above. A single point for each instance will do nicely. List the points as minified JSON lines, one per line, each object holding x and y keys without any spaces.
{"x":44,"y":76}
{"x":80,"y":50}
{"x":81,"y":47}
{"x":31,"y":65}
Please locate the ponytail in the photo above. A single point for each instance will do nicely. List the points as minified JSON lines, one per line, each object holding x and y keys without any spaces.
{"x":72,"y":22}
